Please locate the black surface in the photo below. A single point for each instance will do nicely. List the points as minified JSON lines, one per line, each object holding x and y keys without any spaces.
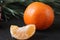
{"x":53,"y":33}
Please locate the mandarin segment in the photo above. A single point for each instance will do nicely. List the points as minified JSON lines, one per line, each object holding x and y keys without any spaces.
{"x":14,"y":28}
{"x":30,"y":30}
{"x":24,"y":32}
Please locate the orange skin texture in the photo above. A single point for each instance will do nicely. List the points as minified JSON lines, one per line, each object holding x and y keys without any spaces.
{"x":40,"y":14}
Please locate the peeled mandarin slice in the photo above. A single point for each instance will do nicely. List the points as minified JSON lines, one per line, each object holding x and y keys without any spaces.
{"x":24,"y":32}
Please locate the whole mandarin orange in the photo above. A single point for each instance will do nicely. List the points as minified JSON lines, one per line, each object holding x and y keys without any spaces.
{"x":40,"y":14}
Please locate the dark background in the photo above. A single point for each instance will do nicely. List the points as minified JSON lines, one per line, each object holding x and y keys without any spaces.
{"x":53,"y":33}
